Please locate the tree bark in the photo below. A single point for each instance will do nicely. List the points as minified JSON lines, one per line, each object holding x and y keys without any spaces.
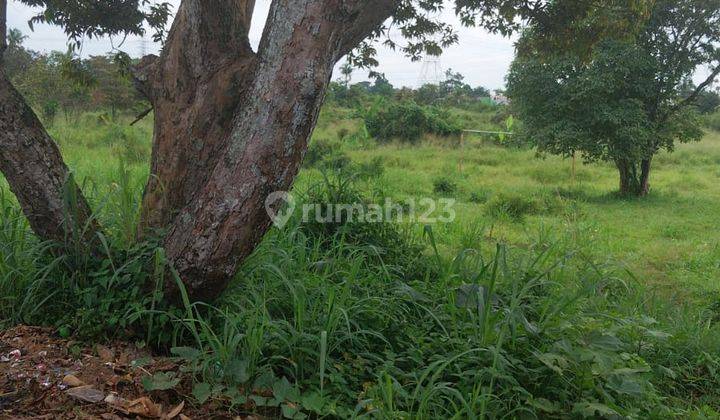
{"x":633,"y":182}
{"x":644,"y":183}
{"x":232,"y":125}
{"x":3,"y":28}
{"x":33,"y":167}
{"x":195,"y":87}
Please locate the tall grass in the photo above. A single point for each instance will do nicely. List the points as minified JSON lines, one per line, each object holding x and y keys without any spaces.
{"x":520,"y":309}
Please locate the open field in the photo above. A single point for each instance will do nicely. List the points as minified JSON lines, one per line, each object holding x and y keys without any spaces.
{"x":548,"y":296}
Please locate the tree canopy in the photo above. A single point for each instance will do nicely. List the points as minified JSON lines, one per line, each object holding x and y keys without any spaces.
{"x":621,"y":99}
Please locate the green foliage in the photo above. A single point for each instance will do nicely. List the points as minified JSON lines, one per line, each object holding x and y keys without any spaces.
{"x":607,"y":102}
{"x":388,"y":244}
{"x":600,"y":110}
{"x":445,"y":185}
{"x":49,"y":111}
{"x":346,"y":319}
{"x":408,"y":121}
{"x":319,"y":150}
{"x":112,"y":17}
{"x":513,"y":206}
{"x":59,"y":81}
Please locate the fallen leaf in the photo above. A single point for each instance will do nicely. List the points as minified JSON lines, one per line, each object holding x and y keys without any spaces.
{"x":105,"y":354}
{"x":72,"y":381}
{"x":175,"y":411}
{"x":86,"y":393}
{"x":145,"y":407}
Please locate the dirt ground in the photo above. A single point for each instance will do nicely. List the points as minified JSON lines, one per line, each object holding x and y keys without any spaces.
{"x":43,"y":376}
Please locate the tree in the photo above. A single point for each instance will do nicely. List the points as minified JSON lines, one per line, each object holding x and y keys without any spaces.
{"x":382,"y":86}
{"x":112,"y":89}
{"x":620,"y":99}
{"x":17,"y":59}
{"x":231,"y":124}
{"x":347,"y":71}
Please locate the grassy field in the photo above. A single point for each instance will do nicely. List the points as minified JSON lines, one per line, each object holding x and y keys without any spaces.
{"x":669,"y":240}
{"x":548,"y":296}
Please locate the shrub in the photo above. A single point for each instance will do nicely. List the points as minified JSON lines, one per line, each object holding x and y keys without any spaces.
{"x":479,"y":197}
{"x":513,"y":206}
{"x":336,"y":161}
{"x":444,"y":185}
{"x":408,"y":121}
{"x":49,"y":111}
{"x":386,"y":243}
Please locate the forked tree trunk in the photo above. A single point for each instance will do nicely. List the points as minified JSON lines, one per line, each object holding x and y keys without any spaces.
{"x":232,"y":126}
{"x":34,"y":168}
{"x":634,"y":178}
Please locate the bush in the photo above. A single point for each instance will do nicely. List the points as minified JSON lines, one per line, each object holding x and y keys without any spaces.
{"x":49,"y":111}
{"x":444,"y":185}
{"x":513,"y":206}
{"x":384,"y":242}
{"x":479,"y":197}
{"x":408,"y":121}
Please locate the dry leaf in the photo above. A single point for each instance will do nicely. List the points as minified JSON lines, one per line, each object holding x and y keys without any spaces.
{"x":72,"y":381}
{"x":145,"y":407}
{"x":86,"y":393}
{"x":105,"y":354}
{"x":175,"y":411}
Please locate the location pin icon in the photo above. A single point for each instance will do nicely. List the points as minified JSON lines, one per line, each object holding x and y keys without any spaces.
{"x":280,"y":206}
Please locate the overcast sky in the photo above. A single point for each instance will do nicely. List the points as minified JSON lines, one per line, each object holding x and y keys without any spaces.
{"x":483,"y":58}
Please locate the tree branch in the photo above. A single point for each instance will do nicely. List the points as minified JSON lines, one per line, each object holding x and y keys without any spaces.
{"x":208,"y":33}
{"x":144,"y":75}
{"x":3,"y":28}
{"x":364,"y":19}
{"x":33,"y":167}
{"x":141,"y":116}
{"x":694,"y":95}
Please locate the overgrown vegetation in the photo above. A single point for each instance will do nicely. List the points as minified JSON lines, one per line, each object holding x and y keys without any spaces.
{"x":408,"y":121}
{"x":542,"y":300}
{"x":394,"y":320}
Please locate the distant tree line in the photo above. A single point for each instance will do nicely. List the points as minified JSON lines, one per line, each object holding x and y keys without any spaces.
{"x":58,"y":82}
{"x":453,"y":91}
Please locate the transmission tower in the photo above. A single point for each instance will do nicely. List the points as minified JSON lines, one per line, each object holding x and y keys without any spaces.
{"x":143,"y":46}
{"x":431,"y":71}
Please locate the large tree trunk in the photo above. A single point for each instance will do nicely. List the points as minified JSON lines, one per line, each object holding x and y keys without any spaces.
{"x":634,"y":178}
{"x":33,"y":166}
{"x":232,"y":125}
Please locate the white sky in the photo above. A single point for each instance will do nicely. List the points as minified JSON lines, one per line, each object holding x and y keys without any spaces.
{"x":483,"y":58}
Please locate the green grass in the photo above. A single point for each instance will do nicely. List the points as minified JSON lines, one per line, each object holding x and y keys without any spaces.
{"x":661,"y":238}
{"x":548,"y":296}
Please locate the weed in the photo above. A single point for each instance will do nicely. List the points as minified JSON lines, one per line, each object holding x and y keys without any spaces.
{"x":513,"y":206}
{"x":444,"y":185}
